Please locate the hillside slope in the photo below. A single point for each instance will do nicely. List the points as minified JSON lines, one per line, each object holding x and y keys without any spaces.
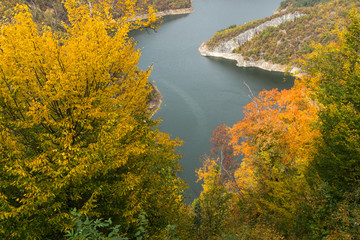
{"x":286,"y":42}
{"x":52,"y":12}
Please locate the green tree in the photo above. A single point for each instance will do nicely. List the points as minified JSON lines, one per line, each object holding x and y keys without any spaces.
{"x":332,"y":209}
{"x":335,"y":79}
{"x":92,"y":229}
{"x":75,"y":129}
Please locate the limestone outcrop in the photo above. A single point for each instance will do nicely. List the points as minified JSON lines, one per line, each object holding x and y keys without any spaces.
{"x":225,"y":49}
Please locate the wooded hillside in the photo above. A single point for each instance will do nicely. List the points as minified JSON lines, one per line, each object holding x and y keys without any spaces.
{"x":290,"y":169}
{"x":286,"y":43}
{"x":52,"y":12}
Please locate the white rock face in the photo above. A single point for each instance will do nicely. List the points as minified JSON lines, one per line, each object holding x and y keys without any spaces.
{"x":225,"y":49}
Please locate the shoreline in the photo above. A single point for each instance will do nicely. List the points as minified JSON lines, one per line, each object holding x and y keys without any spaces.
{"x":225,"y":49}
{"x":241,"y":62}
{"x":169,"y":12}
{"x":175,"y":12}
{"x":155,"y":102}
{"x":179,"y":11}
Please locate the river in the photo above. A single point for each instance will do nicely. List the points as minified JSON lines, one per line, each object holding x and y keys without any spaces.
{"x":200,"y":93}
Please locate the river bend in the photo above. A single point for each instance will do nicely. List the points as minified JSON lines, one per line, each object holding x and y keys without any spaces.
{"x":200,"y":93}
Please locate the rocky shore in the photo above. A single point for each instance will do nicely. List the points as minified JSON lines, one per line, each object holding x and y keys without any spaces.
{"x":155,"y":101}
{"x":225,"y":49}
{"x":168,"y":12}
{"x":175,"y":12}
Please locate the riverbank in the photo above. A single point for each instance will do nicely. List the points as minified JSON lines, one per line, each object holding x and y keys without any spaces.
{"x":155,"y":101}
{"x":241,"y":62}
{"x":225,"y":49}
{"x":175,"y":12}
{"x":155,"y":96}
{"x":180,"y":11}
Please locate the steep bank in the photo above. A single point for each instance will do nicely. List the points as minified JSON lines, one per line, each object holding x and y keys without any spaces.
{"x":225,"y":49}
{"x":241,"y":62}
{"x":176,"y":12}
{"x":169,"y":12}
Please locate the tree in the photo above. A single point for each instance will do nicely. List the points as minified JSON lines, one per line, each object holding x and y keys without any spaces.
{"x":277,"y":140}
{"x":224,"y":151}
{"x":334,"y":76}
{"x":90,"y":229}
{"x":211,"y":208}
{"x":75,"y":129}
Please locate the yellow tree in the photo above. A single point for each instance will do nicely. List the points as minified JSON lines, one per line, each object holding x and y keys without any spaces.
{"x":211,"y":208}
{"x":75,"y":129}
{"x":334,"y":77}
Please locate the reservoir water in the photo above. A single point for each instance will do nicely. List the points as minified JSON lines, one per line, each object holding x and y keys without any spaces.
{"x":200,"y":93}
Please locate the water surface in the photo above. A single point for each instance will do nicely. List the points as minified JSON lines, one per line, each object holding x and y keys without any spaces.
{"x":200,"y":93}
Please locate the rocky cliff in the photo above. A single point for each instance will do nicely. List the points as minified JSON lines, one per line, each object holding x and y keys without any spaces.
{"x":225,"y":49}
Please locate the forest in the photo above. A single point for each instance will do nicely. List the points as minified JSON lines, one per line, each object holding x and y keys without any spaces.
{"x":53,"y":13}
{"x":81,"y":157}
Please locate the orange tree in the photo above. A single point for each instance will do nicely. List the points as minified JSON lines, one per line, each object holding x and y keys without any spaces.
{"x":276,"y":139}
{"x":264,"y":194}
{"x":75,"y":129}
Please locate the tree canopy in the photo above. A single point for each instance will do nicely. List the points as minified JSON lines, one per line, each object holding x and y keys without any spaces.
{"x":299,"y":173}
{"x":75,"y":129}
{"x":334,"y":72}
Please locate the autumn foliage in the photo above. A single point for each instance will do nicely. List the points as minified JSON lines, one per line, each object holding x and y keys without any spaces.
{"x":223,"y":151}
{"x":276,"y":127}
{"x":76,"y":133}
{"x":277,"y":140}
{"x":334,"y":75}
{"x":299,"y":170}
{"x":75,"y":129}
